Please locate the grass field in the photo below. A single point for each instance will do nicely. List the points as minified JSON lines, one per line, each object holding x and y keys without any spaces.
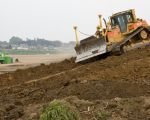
{"x":38,"y":51}
{"x":31,"y":52}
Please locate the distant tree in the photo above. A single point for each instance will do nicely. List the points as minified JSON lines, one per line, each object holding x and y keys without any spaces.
{"x":35,"y":42}
{"x":31,"y":42}
{"x":8,"y":47}
{"x":57,"y":43}
{"x":16,"y":41}
{"x":5,"y":45}
{"x":43,"y":42}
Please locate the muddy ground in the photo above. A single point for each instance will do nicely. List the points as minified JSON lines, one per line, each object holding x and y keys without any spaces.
{"x":117,"y":86}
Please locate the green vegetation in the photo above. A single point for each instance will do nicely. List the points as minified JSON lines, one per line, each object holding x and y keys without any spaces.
{"x":34,"y":42}
{"x":102,"y":115}
{"x":15,"y":40}
{"x":59,"y":110}
{"x":30,"y":52}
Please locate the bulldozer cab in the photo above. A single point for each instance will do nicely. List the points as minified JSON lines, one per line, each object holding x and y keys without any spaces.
{"x":122,"y":20}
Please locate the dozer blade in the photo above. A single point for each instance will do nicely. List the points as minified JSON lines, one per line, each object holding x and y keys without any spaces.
{"x":90,"y":47}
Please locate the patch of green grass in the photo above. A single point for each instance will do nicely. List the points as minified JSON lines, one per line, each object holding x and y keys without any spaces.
{"x":30,"y":52}
{"x":59,"y":110}
{"x":102,"y":115}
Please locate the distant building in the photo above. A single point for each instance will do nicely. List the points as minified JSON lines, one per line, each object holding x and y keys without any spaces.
{"x":22,"y":48}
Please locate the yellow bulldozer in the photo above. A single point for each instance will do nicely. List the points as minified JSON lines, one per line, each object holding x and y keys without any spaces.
{"x":123,"y":32}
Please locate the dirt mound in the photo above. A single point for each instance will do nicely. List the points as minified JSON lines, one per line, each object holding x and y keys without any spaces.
{"x":21,"y":76}
{"x":126,"y":77}
{"x":137,"y":108}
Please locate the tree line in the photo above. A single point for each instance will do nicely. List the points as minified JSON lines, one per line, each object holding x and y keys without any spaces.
{"x":17,"y":41}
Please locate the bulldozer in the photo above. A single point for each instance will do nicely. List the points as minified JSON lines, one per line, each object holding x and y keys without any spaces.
{"x":123,"y":32}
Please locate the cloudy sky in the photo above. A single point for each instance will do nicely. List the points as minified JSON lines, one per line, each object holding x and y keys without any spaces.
{"x":54,"y":19}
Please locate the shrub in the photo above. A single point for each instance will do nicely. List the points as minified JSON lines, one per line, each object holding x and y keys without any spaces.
{"x":59,"y":110}
{"x":102,"y":116}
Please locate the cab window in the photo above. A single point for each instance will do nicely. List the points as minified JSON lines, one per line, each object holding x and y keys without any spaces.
{"x":129,"y":18}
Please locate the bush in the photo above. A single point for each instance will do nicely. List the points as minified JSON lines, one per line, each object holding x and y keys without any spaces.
{"x":59,"y":110}
{"x":102,"y":116}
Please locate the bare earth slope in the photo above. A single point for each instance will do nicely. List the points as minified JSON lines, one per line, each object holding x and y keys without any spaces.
{"x":117,"y":85}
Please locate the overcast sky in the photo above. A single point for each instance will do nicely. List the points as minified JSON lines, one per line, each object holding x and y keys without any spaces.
{"x":54,"y":19}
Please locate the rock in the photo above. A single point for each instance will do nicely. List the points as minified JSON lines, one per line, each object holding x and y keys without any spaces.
{"x":117,"y":99}
{"x":87,"y":68}
{"x":10,"y":107}
{"x":111,"y":106}
{"x":33,"y":116}
{"x":74,"y":81}
{"x":83,"y":81}
{"x":66,"y":83}
{"x":146,"y":104}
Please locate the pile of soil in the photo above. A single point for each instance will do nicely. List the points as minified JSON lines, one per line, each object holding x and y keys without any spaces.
{"x":118,"y":86}
{"x":20,"y":76}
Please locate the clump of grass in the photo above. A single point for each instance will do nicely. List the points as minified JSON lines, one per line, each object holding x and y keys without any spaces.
{"x":102,"y":115}
{"x":59,"y":110}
